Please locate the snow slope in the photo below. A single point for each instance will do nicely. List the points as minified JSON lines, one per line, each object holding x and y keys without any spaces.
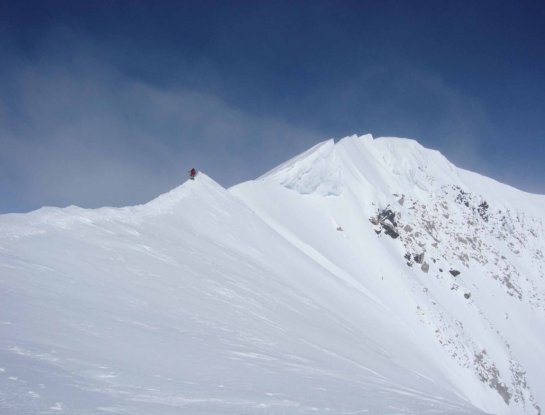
{"x":283,"y":295}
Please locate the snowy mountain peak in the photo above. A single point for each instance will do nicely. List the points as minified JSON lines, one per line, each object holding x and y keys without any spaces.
{"x":362,"y":276}
{"x":203,"y":188}
{"x":392,"y":163}
{"x":469,"y":250}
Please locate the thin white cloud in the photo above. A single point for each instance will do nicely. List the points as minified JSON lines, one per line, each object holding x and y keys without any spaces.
{"x":92,"y":137}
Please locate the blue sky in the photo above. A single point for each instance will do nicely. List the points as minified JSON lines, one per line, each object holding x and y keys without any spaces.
{"x":111,"y":102}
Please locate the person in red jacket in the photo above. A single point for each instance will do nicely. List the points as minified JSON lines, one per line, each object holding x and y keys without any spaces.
{"x":192,"y":173}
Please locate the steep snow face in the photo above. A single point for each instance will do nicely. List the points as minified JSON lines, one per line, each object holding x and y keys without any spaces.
{"x":363,"y":276}
{"x":458,"y":251}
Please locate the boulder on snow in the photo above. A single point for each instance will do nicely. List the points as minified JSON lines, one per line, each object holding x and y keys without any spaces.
{"x":390,"y":230}
{"x":419,"y":258}
{"x":385,"y":218}
{"x":387,"y":215}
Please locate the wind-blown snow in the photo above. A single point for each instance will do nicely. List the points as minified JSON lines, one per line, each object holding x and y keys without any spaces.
{"x":283,"y":295}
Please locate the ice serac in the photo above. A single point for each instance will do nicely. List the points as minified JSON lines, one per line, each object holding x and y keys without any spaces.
{"x":315,"y":171}
{"x":457,"y":256}
{"x":363,"y":276}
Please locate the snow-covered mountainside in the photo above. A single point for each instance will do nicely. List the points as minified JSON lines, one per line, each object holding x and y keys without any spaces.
{"x":363,"y":276}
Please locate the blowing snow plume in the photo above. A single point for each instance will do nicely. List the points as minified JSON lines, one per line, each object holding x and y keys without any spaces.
{"x":284,"y":295}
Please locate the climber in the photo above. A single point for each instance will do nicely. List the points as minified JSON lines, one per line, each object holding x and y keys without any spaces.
{"x":192,"y":173}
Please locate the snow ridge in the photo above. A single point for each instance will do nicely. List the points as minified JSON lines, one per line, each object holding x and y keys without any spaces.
{"x":362,"y":276}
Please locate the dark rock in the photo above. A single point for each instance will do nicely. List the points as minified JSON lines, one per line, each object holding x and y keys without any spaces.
{"x":467,"y":296}
{"x":390,"y":230}
{"x":418,"y":258}
{"x":483,"y":210}
{"x":386,"y":219}
{"x":425,"y":267}
{"x":462,"y":197}
{"x":388,"y":215}
{"x":454,"y":272}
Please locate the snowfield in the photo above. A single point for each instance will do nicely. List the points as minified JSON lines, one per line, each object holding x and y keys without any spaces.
{"x":367,"y":276}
